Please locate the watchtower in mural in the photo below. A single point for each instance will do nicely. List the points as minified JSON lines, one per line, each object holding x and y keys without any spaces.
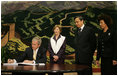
{"x":9,"y":35}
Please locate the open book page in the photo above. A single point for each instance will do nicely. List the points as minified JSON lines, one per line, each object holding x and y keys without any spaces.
{"x":41,"y":63}
{"x":21,"y":63}
{"x":10,"y":63}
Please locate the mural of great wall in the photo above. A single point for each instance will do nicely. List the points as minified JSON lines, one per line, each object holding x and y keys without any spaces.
{"x":22,"y":20}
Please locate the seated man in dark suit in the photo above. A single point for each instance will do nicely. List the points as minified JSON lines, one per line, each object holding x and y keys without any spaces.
{"x":34,"y":54}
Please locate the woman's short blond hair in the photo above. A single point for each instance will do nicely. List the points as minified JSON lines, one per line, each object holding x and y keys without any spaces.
{"x":57,"y":26}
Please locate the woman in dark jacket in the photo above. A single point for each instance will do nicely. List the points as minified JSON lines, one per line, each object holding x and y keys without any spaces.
{"x":106,"y":46}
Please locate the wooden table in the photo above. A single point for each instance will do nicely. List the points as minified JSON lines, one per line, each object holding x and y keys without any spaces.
{"x":47,"y":68}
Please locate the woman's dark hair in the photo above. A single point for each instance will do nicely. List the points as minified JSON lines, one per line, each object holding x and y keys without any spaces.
{"x":107,"y":19}
{"x":80,"y":17}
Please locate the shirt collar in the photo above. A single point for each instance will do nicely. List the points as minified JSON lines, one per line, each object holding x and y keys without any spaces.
{"x":36,"y":50}
{"x":82,"y":27}
{"x":57,"y":38}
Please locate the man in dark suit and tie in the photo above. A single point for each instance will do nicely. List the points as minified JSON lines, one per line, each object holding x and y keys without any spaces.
{"x":85,"y":44}
{"x":34,"y":54}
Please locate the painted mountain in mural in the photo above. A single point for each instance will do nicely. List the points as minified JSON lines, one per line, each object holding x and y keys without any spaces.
{"x":11,"y":6}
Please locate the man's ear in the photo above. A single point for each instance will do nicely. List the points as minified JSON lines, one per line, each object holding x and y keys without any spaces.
{"x":39,"y":45}
{"x":83,"y":21}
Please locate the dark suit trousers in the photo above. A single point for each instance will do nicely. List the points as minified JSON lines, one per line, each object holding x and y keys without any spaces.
{"x":115,"y":70}
{"x":106,"y":66}
{"x":86,"y":71}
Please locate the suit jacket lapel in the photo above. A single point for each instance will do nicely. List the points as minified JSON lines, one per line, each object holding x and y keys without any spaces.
{"x":80,"y":33}
{"x":39,"y":52}
{"x":32,"y":53}
{"x":84,"y":29}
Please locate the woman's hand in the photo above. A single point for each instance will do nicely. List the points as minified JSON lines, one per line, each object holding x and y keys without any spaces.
{"x":55,"y":58}
{"x":114,"y":62}
{"x":97,"y":62}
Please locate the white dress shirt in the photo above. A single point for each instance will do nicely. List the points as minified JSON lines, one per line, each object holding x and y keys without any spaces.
{"x":82,"y":27}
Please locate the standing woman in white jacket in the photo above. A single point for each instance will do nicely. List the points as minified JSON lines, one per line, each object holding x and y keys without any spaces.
{"x":57,"y":45}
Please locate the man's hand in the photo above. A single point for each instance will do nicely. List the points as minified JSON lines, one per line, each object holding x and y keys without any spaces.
{"x":10,"y":61}
{"x":97,"y":62}
{"x":114,"y":62}
{"x":28,"y":61}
